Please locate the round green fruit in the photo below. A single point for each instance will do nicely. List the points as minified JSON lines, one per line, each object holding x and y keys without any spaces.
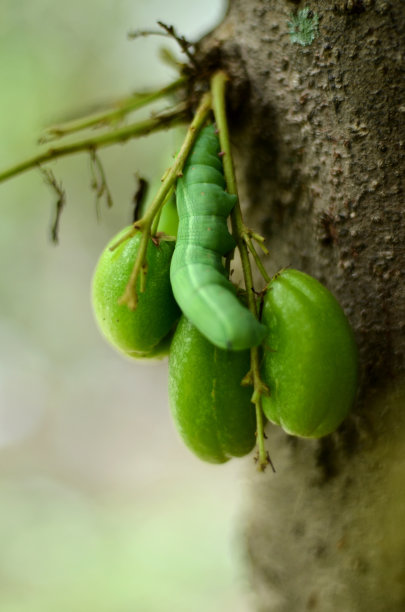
{"x":310,"y":357}
{"x":159,"y":352}
{"x":212,"y":411}
{"x":169,"y":219}
{"x":140,"y":333}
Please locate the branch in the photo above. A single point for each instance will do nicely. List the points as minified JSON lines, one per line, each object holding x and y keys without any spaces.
{"x":129,"y":296}
{"x":134,"y":130}
{"x":111,"y":115}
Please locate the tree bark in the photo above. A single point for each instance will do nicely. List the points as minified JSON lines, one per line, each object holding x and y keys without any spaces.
{"x":317,"y":107}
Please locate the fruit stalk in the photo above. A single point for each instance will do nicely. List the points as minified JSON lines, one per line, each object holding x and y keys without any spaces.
{"x":218,"y":84}
{"x":114,"y":114}
{"x":123,"y":134}
{"x":145,"y":224}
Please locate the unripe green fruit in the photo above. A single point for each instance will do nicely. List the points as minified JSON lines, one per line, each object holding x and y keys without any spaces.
{"x":169,"y":219}
{"x":310,"y":357}
{"x":212,"y":411}
{"x":142,"y":332}
{"x":159,"y":352}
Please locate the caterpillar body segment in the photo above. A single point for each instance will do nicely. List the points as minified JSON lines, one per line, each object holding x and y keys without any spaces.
{"x":198,"y":277}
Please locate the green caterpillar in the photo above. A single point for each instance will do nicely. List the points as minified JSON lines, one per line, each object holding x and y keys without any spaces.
{"x":197,"y":274}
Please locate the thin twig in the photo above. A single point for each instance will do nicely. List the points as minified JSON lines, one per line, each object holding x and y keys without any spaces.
{"x":115,"y":113}
{"x":183,"y":43}
{"x":169,"y":32}
{"x":50,"y":180}
{"x":134,"y":130}
{"x":99,"y":183}
{"x":144,"y":225}
{"x":256,"y":257}
{"x":134,"y":34}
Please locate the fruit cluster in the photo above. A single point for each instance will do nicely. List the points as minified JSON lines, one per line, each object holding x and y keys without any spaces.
{"x":309,"y":356}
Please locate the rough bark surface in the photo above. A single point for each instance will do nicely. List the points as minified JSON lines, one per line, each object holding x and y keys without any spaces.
{"x":319,"y":134}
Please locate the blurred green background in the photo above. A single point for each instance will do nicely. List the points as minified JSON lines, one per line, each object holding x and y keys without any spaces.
{"x":102,"y":508}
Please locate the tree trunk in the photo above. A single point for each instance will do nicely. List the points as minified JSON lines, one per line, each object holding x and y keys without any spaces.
{"x":317,"y":106}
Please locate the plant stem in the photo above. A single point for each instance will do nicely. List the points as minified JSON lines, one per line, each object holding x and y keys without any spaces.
{"x":174,"y":171}
{"x":119,"y":110}
{"x":218,"y":84}
{"x":257,"y":259}
{"x":156,"y":220}
{"x":218,"y":89}
{"x":170,"y":176}
{"x":96,"y":142}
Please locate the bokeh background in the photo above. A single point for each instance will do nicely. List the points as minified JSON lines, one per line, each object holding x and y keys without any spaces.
{"x":101,"y":507}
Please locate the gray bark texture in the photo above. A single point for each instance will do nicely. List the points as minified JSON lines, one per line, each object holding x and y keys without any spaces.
{"x":317,"y":123}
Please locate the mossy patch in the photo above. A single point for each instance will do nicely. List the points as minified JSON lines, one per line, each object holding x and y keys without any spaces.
{"x":303,"y":27}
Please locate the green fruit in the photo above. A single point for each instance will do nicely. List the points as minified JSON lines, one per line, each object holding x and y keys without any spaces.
{"x":141,"y":332}
{"x":212,"y":411}
{"x":160,"y":351}
{"x":310,"y":357}
{"x":169,"y":219}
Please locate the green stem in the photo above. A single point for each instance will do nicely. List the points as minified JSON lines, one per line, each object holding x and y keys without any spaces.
{"x":96,"y":142}
{"x":119,"y":110}
{"x":173,"y":173}
{"x":257,"y":259}
{"x":130,"y":296}
{"x":156,"y":220}
{"x":218,"y":85}
{"x":170,"y":177}
{"x":259,"y":390}
{"x":260,"y":241}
